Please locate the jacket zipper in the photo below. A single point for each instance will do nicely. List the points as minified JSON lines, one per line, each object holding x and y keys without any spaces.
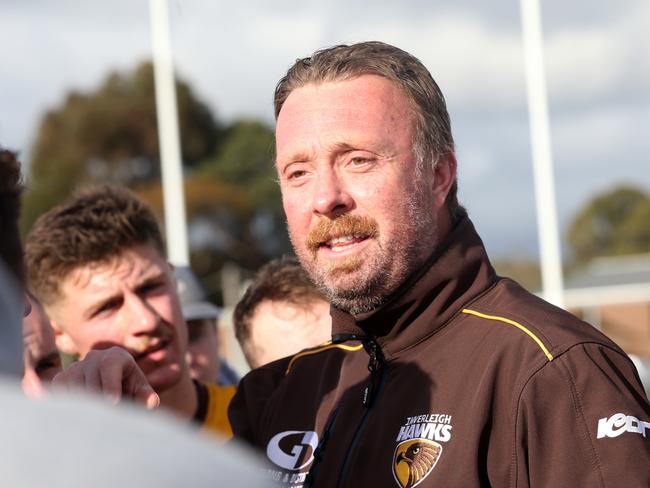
{"x":374,"y":386}
{"x":375,"y":365}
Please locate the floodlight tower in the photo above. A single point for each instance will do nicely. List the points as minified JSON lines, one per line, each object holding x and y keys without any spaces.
{"x":547,"y":226}
{"x":168,"y":136}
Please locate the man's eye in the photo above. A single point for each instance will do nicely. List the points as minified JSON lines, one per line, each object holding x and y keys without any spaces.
{"x":293,"y":175}
{"x":43,"y":366}
{"x":151,"y":288}
{"x":359,"y":161}
{"x":106,"y":307}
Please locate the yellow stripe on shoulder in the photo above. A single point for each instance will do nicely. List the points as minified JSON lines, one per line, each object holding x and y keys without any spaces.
{"x":516,"y":324}
{"x":323,"y":347}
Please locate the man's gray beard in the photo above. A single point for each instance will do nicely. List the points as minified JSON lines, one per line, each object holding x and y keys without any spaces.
{"x":378,"y":289}
{"x":366,"y":298}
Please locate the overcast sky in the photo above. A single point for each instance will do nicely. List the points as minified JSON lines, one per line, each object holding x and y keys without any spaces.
{"x":232,"y":53}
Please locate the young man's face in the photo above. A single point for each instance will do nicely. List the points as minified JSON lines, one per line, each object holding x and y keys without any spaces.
{"x":360,"y":218}
{"x":129,"y":301}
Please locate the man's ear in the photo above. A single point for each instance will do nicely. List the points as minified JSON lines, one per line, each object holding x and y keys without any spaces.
{"x":64,"y":342}
{"x":445,"y":175}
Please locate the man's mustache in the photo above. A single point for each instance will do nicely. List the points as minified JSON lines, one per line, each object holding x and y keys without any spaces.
{"x":344,"y":225}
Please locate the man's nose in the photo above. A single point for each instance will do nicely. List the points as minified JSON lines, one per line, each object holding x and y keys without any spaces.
{"x":331,"y":197}
{"x":144,"y":318}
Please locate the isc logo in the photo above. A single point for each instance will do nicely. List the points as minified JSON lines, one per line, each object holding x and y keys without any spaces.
{"x":619,"y":423}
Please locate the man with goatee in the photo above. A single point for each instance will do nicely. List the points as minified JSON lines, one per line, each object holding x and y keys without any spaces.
{"x":439,"y":372}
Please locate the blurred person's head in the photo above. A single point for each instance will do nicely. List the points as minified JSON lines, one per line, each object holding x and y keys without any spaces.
{"x":201,"y":316}
{"x":366,"y":164}
{"x":11,"y":187}
{"x":12,"y":303}
{"x":281,"y":313}
{"x":97,"y":264}
{"x":41,"y":358}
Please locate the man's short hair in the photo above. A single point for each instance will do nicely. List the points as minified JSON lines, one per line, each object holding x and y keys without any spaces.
{"x":282,"y":280}
{"x":11,"y":187}
{"x":93,"y":226}
{"x":433,"y":136}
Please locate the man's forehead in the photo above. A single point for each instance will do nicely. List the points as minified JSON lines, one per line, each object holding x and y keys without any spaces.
{"x":356,"y":110}
{"x":283,"y":312}
{"x":130,"y":267}
{"x":345,"y":92}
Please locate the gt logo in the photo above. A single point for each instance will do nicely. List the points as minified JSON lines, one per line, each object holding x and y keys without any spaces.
{"x":295,"y":442}
{"x":619,"y":423}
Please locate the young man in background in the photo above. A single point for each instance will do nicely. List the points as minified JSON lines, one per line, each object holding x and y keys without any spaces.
{"x":97,"y":264}
{"x":281,"y":313}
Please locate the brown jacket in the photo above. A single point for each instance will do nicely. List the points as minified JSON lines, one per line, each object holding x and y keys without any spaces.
{"x":463,"y":380}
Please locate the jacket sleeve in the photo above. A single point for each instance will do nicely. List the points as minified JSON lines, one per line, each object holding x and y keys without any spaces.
{"x":583,"y":420}
{"x":248,"y":407}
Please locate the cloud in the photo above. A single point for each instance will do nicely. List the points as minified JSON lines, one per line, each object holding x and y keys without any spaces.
{"x":233,"y":53}
{"x":592,"y":64}
{"x":57,"y":46}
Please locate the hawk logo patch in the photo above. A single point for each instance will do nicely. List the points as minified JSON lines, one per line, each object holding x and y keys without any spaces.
{"x":419,"y":447}
{"x":413,"y":461}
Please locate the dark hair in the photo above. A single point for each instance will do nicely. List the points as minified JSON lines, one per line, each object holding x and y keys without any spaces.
{"x":281,"y":279}
{"x":93,"y":226}
{"x":433,"y":138}
{"x":11,"y":187}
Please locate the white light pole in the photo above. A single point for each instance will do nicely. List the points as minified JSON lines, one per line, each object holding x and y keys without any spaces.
{"x":547,"y":227}
{"x":168,"y":136}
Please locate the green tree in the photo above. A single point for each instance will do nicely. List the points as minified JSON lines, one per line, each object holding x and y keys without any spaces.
{"x":634,"y":232}
{"x":613,"y":223}
{"x":110,"y":134}
{"x":245,"y":159}
{"x":233,"y":204}
{"x":525,"y":272}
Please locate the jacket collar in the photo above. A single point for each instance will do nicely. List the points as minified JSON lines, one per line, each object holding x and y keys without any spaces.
{"x":457,"y":272}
